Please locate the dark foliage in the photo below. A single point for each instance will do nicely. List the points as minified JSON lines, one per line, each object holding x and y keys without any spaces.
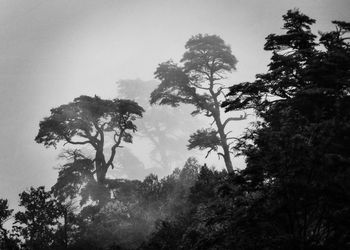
{"x":297,"y":157}
{"x":6,"y":240}
{"x":294,"y":192}
{"x":206,"y":61}
{"x":40,"y":219}
{"x":292,"y":195}
{"x":129,"y":218}
{"x":85,"y":121}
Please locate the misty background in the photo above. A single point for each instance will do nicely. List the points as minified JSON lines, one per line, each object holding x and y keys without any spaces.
{"x":54,"y":51}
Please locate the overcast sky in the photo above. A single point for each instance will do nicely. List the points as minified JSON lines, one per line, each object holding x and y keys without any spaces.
{"x":52,"y":51}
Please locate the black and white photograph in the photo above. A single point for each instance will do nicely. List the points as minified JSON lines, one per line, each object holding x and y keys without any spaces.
{"x":174,"y":124}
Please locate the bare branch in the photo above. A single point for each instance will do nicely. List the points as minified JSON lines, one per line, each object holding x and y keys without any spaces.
{"x":242,"y":117}
{"x":221,"y":155}
{"x":76,"y":142}
{"x":200,"y":87}
{"x":72,"y":154}
{"x":209,"y":151}
{"x":228,"y":133}
{"x":114,"y":147}
{"x":233,"y":138}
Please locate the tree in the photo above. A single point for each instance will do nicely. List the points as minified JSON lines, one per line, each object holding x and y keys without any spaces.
{"x":298,"y":157}
{"x":74,"y":176}
{"x":190,"y":217}
{"x":159,"y":126}
{"x":87,"y":120}
{"x":205,"y":63}
{"x":38,"y":223}
{"x":5,"y":214}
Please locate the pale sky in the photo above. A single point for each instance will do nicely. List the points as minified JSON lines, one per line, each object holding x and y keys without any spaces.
{"x":52,"y":51}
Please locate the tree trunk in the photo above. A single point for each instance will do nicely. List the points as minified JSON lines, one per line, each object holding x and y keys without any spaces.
{"x":101,"y":168}
{"x":221,"y":129}
{"x":101,"y":172}
{"x":225,"y":148}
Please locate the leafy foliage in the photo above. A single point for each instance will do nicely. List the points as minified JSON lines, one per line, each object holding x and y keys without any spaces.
{"x":37,"y":223}
{"x":203,"y":139}
{"x":89,"y":118}
{"x":128,"y":219}
{"x":293,"y":193}
{"x":206,"y":61}
{"x":6,"y":242}
{"x":85,"y":117}
{"x":297,"y":157}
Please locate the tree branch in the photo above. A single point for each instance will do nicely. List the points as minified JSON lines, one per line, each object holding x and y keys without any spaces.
{"x":93,"y":140}
{"x":200,"y":87}
{"x":100,"y":131}
{"x":242,"y":117}
{"x":220,"y":154}
{"x":114,"y":147}
{"x":76,"y":142}
{"x":235,"y":138}
{"x":209,"y":151}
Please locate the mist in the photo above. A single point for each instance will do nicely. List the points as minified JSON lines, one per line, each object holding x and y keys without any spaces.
{"x":113,"y":124}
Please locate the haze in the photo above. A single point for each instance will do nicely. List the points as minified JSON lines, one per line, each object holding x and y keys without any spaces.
{"x":54,"y":51}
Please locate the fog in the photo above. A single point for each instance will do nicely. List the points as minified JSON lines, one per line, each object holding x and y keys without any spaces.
{"x":54,"y":51}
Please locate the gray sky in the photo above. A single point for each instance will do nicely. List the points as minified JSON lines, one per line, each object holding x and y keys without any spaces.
{"x":52,"y":51}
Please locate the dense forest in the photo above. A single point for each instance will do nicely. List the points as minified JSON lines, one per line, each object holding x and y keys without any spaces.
{"x":293,"y":193}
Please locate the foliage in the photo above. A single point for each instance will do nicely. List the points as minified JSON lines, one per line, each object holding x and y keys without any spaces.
{"x":203,"y":139}
{"x":37,"y":224}
{"x":184,"y":228}
{"x":297,"y":158}
{"x":128,"y":219}
{"x":86,"y":120}
{"x":160,"y":126}
{"x":72,"y":177}
{"x":6,"y":242}
{"x":205,"y":62}
{"x":5,"y":212}
{"x":293,"y":194}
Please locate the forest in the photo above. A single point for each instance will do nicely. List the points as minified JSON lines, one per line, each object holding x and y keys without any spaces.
{"x":293,"y":193}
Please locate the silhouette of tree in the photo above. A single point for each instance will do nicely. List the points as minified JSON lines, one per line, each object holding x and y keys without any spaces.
{"x":294,"y":192}
{"x":6,"y":242}
{"x":38,"y":223}
{"x":205,"y":63}
{"x":161,"y":127}
{"x":298,"y":157}
{"x":5,"y":214}
{"x":87,"y":120}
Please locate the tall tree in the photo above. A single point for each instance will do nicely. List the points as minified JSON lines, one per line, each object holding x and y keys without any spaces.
{"x":298,"y":157}
{"x":197,"y":82}
{"x":86,"y":121}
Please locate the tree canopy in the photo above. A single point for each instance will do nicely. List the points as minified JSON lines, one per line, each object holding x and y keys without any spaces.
{"x":86,"y":120}
{"x":293,"y":193}
{"x":160,"y":126}
{"x":205,"y":62}
{"x":298,"y":157}
{"x":37,"y":223}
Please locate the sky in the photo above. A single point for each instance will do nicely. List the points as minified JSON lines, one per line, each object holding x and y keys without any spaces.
{"x":52,"y":51}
